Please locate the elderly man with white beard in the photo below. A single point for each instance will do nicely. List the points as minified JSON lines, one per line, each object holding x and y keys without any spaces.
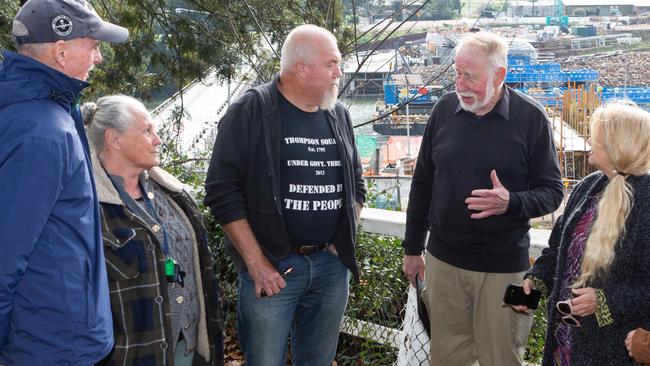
{"x":285,"y":182}
{"x":487,"y":165}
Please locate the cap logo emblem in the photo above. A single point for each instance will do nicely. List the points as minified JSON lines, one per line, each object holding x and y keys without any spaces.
{"x":62,"y":25}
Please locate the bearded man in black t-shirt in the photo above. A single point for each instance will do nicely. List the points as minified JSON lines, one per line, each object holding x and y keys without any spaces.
{"x":285,"y":182}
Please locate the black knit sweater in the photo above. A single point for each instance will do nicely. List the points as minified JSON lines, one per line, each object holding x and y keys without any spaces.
{"x":626,"y":287}
{"x":458,"y":152}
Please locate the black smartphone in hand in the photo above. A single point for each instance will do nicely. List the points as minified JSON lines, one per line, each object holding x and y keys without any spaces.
{"x":515,"y":295}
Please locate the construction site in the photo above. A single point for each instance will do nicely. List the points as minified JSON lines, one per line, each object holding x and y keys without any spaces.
{"x":570,"y":64}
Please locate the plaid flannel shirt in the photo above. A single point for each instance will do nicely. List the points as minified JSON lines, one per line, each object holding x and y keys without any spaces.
{"x":135,"y":265}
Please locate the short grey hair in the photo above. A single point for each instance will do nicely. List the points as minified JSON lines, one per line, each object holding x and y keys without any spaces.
{"x":110,"y":112}
{"x":40,"y":51}
{"x":299,"y":48}
{"x":495,"y":47}
{"x":34,"y":50}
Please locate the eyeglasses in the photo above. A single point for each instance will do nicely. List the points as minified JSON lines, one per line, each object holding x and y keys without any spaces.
{"x":565,"y":308}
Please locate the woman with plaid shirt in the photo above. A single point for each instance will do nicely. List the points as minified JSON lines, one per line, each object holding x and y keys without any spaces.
{"x":165,"y":298}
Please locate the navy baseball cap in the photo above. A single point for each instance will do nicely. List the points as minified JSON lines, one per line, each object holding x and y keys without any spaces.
{"x":43,"y":21}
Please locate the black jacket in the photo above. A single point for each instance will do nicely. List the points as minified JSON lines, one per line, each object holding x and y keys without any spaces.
{"x":244,"y":173}
{"x":626,"y":288}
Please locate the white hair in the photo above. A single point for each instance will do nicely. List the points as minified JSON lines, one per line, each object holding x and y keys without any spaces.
{"x":34,"y":50}
{"x":495,"y":47}
{"x":111,"y":112}
{"x":300,"y":45}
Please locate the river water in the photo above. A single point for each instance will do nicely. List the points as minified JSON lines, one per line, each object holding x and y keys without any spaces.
{"x":390,"y":193}
{"x":362,"y":110}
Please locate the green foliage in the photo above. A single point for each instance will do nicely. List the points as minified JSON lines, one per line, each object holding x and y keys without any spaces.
{"x":365,"y":8}
{"x":381,"y":293}
{"x":180,"y":41}
{"x":441,"y":9}
{"x":535,"y":348}
{"x":173,"y":42}
{"x":190,"y":170}
{"x":354,"y":351}
{"x":8,"y":8}
{"x":383,"y":199}
{"x":378,"y":298}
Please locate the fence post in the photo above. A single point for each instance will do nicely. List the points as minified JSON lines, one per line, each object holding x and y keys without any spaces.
{"x":377,"y":153}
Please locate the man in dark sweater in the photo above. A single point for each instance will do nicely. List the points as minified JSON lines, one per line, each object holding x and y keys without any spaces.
{"x":285,"y":182}
{"x":487,"y":165}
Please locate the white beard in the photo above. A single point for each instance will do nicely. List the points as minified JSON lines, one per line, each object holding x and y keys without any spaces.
{"x":330,"y":97}
{"x":478,"y":104}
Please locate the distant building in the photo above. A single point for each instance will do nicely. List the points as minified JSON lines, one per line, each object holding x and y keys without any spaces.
{"x":605,"y":7}
{"x":521,"y":8}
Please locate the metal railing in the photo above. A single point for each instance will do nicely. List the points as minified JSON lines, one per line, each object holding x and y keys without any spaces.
{"x":410,"y":340}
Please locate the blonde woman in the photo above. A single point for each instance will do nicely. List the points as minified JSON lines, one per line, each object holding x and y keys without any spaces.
{"x":597,"y":266}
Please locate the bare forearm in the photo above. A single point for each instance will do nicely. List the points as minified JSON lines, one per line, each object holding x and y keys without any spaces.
{"x":260,"y":268}
{"x":242,"y":236}
{"x":357,"y":208}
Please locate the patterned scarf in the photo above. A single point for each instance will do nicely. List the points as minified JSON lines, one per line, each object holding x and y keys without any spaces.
{"x":562,"y":353}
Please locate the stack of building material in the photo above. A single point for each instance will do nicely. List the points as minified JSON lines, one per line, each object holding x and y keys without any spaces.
{"x":629,"y":68}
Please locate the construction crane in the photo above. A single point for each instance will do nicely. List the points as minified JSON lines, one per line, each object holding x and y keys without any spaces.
{"x":558,"y":17}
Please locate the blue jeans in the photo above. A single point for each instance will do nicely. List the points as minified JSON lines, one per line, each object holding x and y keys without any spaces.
{"x":309,"y":309}
{"x":180,"y":359}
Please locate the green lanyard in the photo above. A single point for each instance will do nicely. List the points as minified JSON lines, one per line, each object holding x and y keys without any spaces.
{"x":170,"y":264}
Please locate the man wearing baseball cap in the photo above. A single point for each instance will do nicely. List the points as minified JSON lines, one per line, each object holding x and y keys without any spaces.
{"x":54,"y":301}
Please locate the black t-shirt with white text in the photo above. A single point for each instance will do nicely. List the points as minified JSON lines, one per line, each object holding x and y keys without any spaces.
{"x":311,"y":176}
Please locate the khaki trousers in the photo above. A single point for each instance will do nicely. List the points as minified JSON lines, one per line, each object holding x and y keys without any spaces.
{"x":469,"y":325}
